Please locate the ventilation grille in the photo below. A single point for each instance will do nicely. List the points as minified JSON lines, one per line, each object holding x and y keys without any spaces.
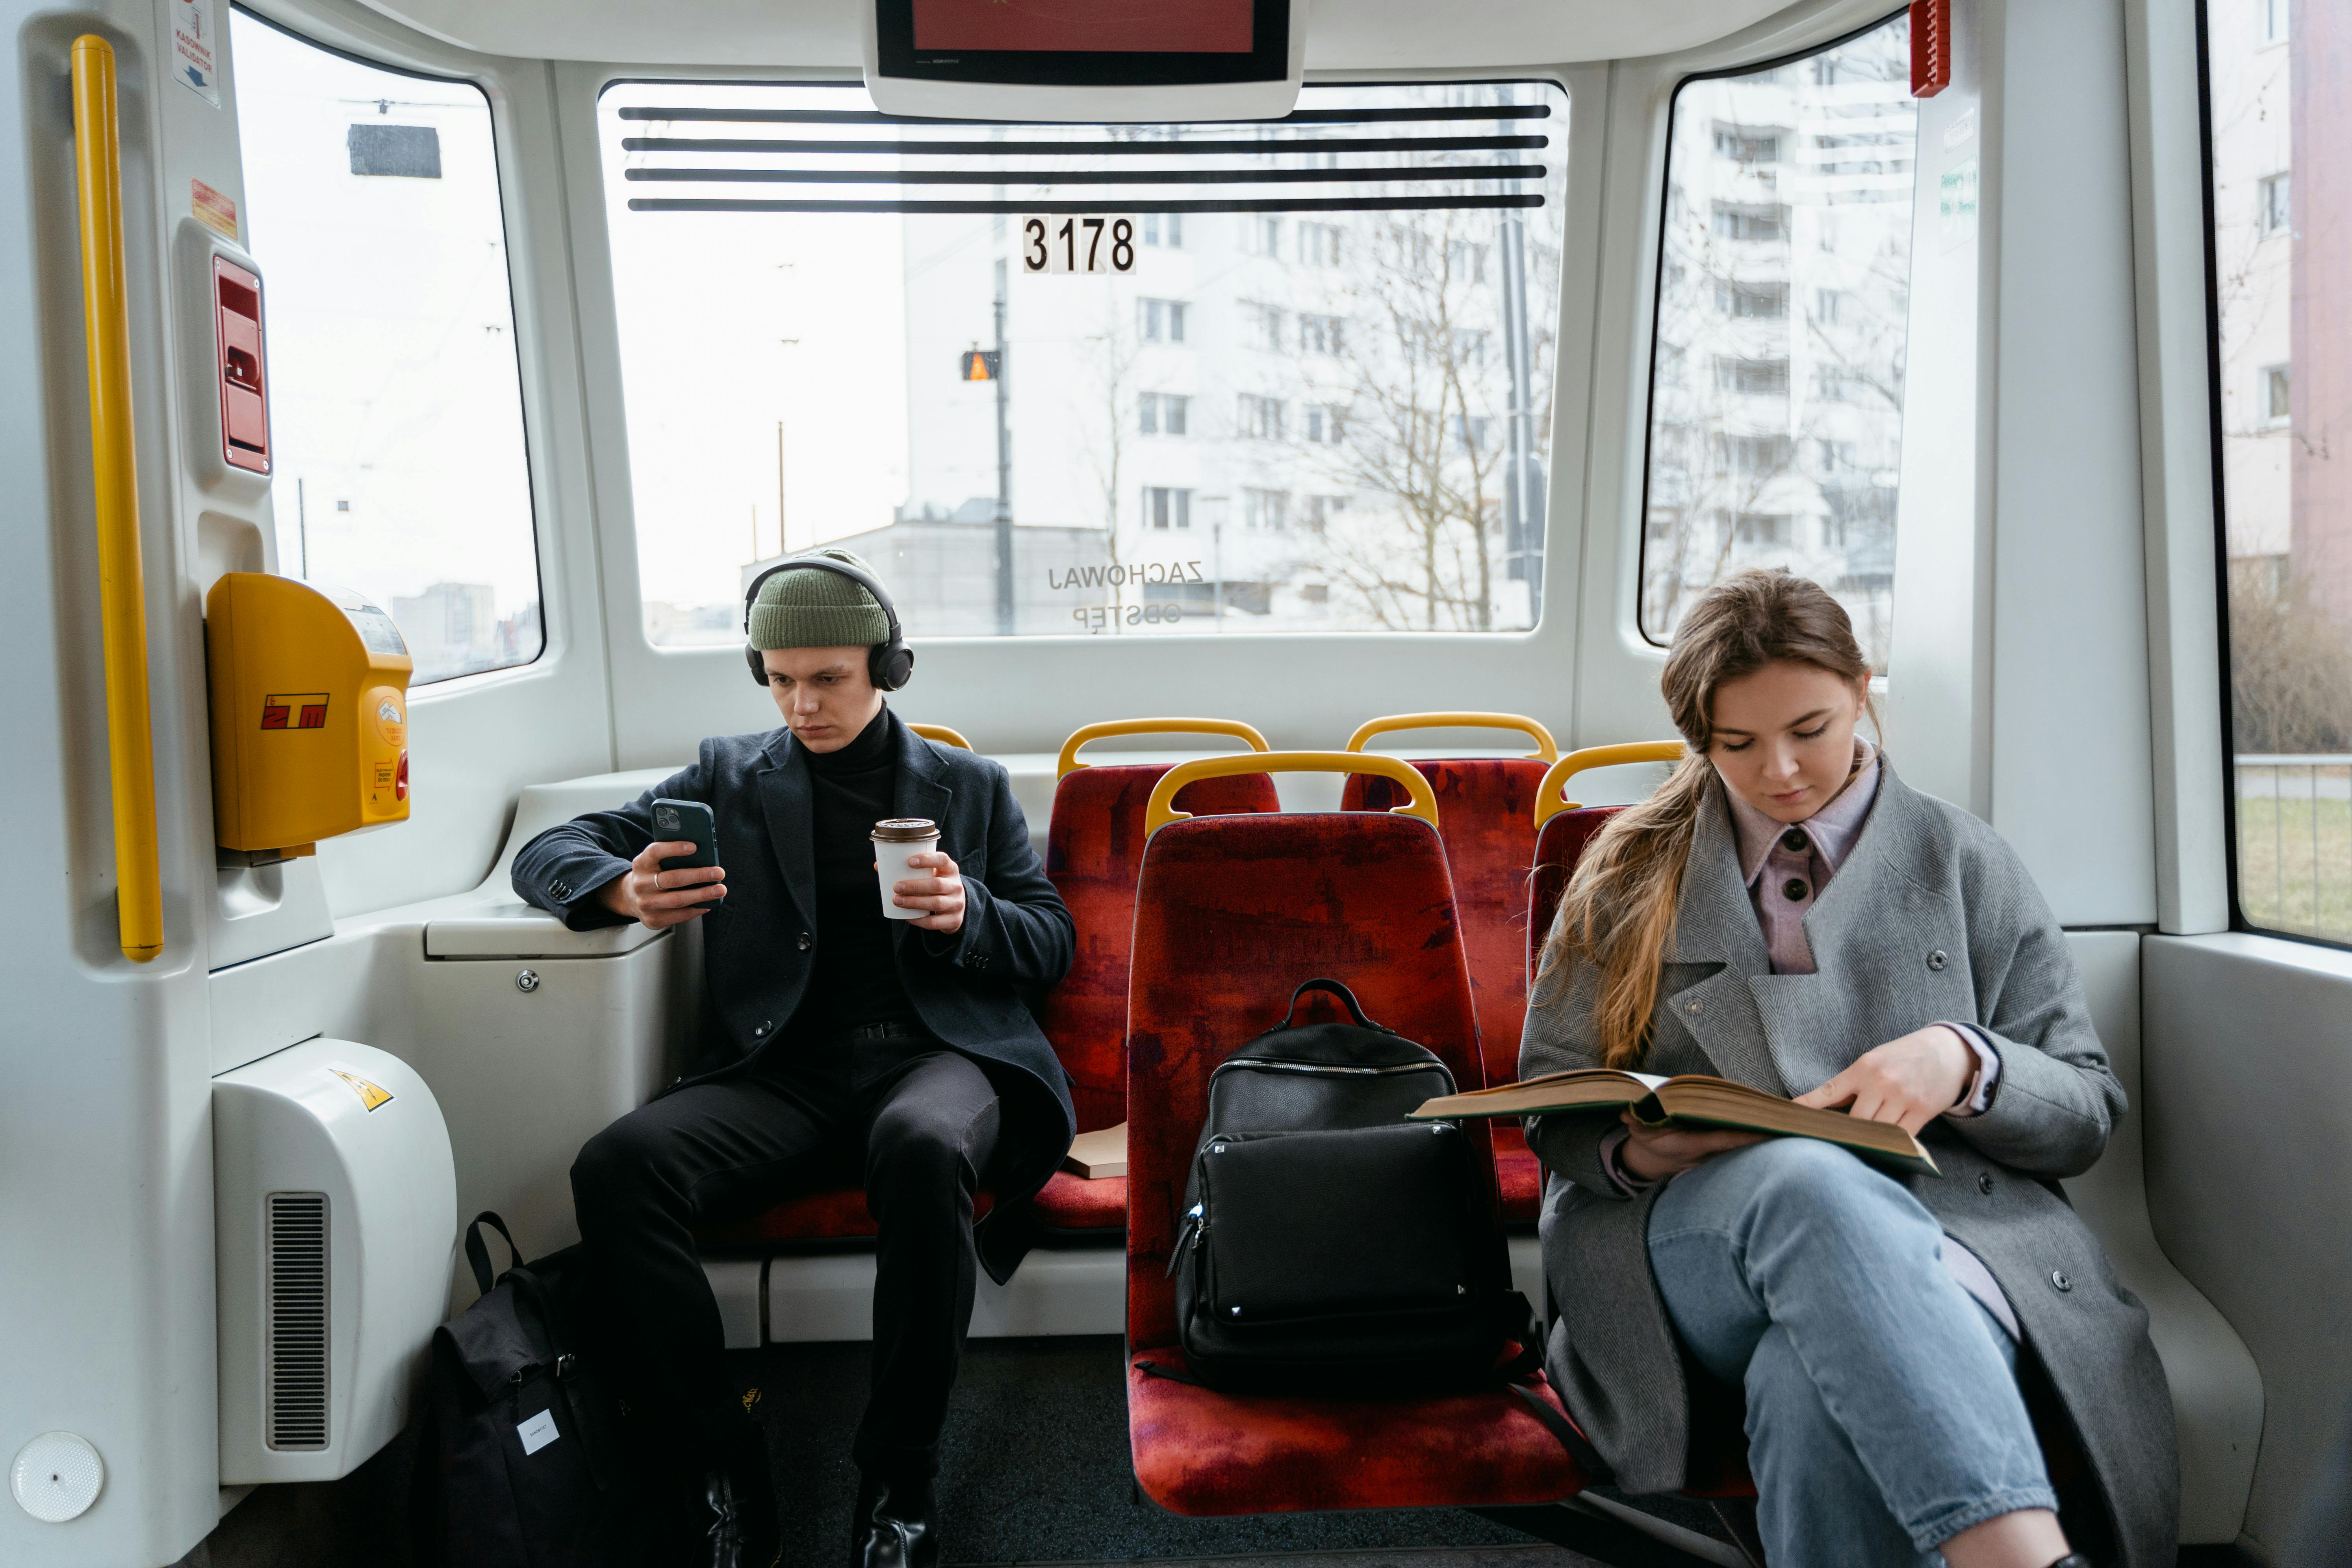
{"x":294,"y":1252}
{"x":1348,"y":149}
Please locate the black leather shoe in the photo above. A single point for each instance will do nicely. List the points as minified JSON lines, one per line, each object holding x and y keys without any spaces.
{"x":897,"y":1524}
{"x":739,"y":1511}
{"x":2071,"y":1560}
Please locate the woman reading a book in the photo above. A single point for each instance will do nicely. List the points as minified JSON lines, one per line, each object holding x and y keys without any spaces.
{"x":1785,"y":912}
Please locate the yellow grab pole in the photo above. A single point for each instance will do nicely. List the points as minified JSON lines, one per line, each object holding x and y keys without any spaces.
{"x":123,"y":600}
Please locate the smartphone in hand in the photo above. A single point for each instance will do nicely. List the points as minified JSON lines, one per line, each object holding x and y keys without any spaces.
{"x":692,"y":821}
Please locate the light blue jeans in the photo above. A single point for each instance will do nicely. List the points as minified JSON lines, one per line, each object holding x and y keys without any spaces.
{"x":1884,"y":1415}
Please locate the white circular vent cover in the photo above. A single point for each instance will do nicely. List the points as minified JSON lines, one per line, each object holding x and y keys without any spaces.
{"x":57,"y":1476}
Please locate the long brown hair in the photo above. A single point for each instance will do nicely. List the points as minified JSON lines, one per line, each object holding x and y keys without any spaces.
{"x":1619,"y":911}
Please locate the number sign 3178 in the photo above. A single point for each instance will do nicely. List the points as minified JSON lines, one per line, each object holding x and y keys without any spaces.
{"x":1077,"y":245}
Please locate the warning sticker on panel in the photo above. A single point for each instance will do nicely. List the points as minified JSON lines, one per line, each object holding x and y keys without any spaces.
{"x":192,"y":53}
{"x":371,"y":1095}
{"x":212,"y":209}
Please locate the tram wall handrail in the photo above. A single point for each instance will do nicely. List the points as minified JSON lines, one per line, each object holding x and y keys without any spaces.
{"x":123,"y":607}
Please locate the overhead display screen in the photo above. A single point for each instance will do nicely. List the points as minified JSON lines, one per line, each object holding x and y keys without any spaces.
{"x":1120,"y":27}
{"x":1089,"y":43}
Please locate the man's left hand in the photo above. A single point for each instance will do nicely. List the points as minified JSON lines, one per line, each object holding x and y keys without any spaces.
{"x":940,"y":895}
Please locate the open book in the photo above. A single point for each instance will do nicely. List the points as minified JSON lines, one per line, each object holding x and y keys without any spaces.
{"x":1691,"y":1100}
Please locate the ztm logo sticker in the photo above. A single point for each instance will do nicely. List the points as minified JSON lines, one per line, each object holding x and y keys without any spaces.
{"x":294,"y":711}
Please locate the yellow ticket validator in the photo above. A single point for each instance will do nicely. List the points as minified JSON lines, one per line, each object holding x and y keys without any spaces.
{"x":309,"y":699}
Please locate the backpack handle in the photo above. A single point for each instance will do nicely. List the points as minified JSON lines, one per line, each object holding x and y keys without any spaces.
{"x":478,"y":1251}
{"x":1331,"y":987}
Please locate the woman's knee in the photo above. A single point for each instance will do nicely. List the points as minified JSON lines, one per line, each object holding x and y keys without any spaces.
{"x":1810,"y":1174}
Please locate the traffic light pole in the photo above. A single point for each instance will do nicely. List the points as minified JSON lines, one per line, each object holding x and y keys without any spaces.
{"x":1004,"y":476}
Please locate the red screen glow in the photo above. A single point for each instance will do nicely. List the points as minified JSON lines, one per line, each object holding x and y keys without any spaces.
{"x":1105,"y":26}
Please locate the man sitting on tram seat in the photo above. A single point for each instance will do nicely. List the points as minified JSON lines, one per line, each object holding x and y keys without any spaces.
{"x":839,"y":1046}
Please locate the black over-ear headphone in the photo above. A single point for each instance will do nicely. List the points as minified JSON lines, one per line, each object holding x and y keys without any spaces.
{"x":889,"y":663}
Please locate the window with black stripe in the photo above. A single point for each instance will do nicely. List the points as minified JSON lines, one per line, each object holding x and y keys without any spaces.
{"x":1188,"y":379}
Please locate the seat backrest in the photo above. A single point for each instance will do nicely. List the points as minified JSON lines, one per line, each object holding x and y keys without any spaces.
{"x":1559,"y":844}
{"x":1094,"y":847}
{"x":1485,"y":812}
{"x":1231,"y":914}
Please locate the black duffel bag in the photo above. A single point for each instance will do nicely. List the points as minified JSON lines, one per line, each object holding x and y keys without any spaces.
{"x":1327,"y":1242}
{"x":523,"y":1461}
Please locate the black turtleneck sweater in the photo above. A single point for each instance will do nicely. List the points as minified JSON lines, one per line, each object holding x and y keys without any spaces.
{"x":857,"y":976}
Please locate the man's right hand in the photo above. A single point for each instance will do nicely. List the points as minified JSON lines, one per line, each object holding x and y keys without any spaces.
{"x":662,"y":899}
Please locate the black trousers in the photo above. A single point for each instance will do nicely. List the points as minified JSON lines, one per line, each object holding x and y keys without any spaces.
{"x":916,"y":1121}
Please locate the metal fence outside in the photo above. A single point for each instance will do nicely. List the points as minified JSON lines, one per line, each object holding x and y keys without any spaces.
{"x":2295,"y":843}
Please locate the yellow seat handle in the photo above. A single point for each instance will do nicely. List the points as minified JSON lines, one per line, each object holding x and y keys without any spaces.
{"x":1162,"y":811}
{"x":1545,"y":747}
{"x":1068,"y":761}
{"x":943,"y":734}
{"x":1549,"y":803}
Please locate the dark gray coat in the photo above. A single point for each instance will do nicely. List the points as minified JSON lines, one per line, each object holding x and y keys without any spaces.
{"x":972,"y":987}
{"x":1932,"y":918}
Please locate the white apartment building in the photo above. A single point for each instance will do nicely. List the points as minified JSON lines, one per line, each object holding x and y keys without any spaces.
{"x":2253,"y":249}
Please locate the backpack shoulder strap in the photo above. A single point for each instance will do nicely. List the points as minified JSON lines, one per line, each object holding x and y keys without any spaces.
{"x":477,"y":1252}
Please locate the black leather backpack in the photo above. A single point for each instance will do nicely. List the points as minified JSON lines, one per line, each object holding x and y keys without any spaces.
{"x":1328,"y":1242}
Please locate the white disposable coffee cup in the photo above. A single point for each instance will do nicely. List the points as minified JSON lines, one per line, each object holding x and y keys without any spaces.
{"x":896,"y":839}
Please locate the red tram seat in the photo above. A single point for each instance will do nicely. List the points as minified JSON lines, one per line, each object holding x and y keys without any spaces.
{"x":1094,"y":847}
{"x":1483,"y":809}
{"x":1231,"y":913}
{"x":1563,"y":827}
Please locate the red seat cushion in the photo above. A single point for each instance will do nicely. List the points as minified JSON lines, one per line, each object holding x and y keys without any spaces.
{"x":1485,"y":813}
{"x":1201,"y":1452}
{"x":835,"y":1213}
{"x":1518,"y":1174}
{"x":1094,"y":846}
{"x":1071,"y":1202}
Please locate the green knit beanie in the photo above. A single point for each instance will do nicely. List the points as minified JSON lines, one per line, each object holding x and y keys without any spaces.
{"x":816,"y":608}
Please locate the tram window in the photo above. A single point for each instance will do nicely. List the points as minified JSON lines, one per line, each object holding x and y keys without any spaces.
{"x":371,"y":204}
{"x":2282,"y":293}
{"x":1361,"y":399}
{"x":1776,"y":402}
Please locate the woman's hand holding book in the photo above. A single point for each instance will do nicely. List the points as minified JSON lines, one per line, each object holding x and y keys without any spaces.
{"x":1653,"y":1153}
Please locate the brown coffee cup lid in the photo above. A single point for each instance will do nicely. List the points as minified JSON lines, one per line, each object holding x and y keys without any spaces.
{"x":906,"y":829}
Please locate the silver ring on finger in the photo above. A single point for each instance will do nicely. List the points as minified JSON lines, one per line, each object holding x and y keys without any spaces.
{"x":657,"y":882}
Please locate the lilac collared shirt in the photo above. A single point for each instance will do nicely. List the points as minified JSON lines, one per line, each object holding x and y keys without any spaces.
{"x":1787,"y":865}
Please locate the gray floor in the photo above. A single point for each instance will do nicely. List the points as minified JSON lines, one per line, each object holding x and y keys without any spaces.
{"x":1036,"y":1472}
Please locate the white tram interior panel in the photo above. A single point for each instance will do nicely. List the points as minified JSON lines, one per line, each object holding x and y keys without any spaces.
{"x":638,"y":415}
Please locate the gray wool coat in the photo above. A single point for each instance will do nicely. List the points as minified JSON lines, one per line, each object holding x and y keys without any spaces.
{"x":1932,"y":918}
